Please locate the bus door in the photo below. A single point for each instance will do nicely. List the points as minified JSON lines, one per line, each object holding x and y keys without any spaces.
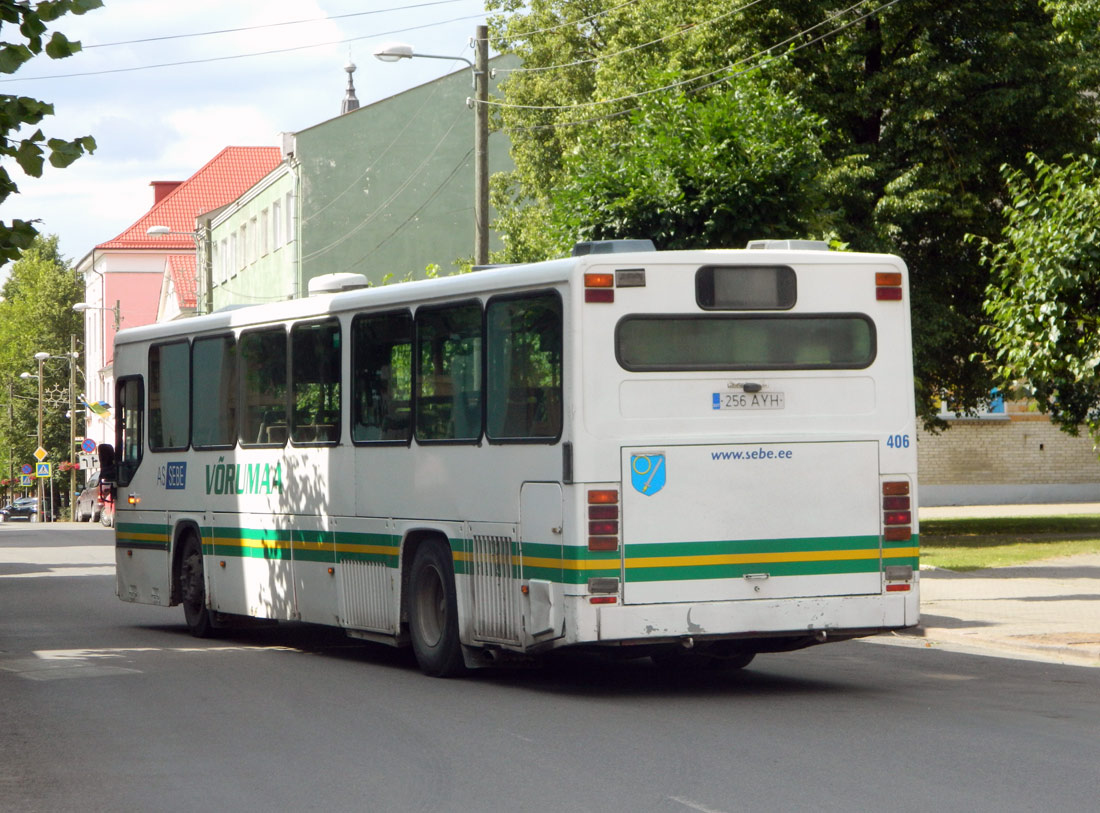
{"x":750,"y":521}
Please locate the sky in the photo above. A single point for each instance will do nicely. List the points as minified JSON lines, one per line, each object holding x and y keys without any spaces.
{"x":164,"y":123}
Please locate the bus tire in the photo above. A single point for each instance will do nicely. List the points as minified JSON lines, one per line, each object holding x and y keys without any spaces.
{"x":192,"y":585}
{"x":433,"y":611}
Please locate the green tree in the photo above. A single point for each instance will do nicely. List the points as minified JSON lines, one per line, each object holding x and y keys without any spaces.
{"x":922,"y":101}
{"x":36,"y":316}
{"x":31,"y":149}
{"x":1044,"y":296}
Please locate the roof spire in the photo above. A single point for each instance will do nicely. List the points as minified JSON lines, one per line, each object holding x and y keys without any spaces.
{"x":350,"y":101}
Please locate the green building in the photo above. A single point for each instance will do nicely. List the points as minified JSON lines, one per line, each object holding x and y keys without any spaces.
{"x":384,"y":190}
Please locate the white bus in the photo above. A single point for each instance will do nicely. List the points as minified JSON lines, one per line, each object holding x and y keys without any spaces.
{"x":691,"y":455}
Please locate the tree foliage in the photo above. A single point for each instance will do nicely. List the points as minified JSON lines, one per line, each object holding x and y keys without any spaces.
{"x":36,"y":316}
{"x":24,"y":27}
{"x":913,"y":106}
{"x":1044,"y":295}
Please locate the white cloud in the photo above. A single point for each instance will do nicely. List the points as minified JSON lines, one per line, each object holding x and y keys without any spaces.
{"x":165,"y":123}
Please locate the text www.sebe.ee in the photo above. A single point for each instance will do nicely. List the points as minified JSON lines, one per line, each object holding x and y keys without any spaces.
{"x":755,"y":454}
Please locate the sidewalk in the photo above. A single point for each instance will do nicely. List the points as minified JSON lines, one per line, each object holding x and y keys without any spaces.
{"x":1047,"y":611}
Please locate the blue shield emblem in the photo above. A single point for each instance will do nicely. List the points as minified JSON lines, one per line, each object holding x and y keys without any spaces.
{"x":647,"y":473}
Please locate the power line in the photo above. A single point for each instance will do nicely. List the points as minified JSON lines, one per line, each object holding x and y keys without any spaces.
{"x":525,"y":34}
{"x":690,"y":80}
{"x":241,"y":56}
{"x":393,"y":196}
{"x":678,"y":32}
{"x":265,"y":25}
{"x":376,"y":158}
{"x":424,"y":205}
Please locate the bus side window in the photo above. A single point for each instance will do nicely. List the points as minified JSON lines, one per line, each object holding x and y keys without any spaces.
{"x":169,"y":396}
{"x":524,"y":375}
{"x":448,"y":373}
{"x":315,"y":382}
{"x":262,"y":359}
{"x":214,"y":392}
{"x":381,"y":363}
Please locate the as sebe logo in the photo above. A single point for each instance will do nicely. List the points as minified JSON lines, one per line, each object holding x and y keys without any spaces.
{"x":253,"y":478}
{"x":173,"y":476}
{"x":647,"y":472}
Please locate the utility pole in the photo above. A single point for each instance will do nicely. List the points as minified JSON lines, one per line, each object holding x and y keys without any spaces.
{"x":41,"y":358}
{"x":481,"y":146}
{"x":72,"y":426}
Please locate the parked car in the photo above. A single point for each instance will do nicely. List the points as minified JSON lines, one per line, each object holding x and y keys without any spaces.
{"x":89,"y":503}
{"x":23,"y":509}
{"x":107,"y":515}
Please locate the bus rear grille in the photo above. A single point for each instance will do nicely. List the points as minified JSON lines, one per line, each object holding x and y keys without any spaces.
{"x":494,"y":587}
{"x":368,"y":595}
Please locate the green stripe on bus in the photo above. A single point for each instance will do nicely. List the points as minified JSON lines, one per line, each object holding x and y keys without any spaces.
{"x":751,"y":546}
{"x":691,"y":572}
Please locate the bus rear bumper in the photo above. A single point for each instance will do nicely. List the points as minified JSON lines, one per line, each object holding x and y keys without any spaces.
{"x":863,"y":615}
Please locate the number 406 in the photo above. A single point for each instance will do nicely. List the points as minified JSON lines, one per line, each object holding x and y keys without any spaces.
{"x":897,"y":441}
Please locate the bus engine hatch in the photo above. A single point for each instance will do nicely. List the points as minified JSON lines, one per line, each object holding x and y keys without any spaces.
{"x":750,"y":521}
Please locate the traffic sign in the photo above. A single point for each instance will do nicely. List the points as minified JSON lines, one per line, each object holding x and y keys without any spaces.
{"x":27,"y":468}
{"x":88,"y":446}
{"x":41,"y":454}
{"x":25,"y":480}
{"x":43,"y":470}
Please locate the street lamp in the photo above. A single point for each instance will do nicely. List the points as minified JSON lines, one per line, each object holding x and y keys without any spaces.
{"x":204,"y":271}
{"x":396,"y":51}
{"x":80,"y":307}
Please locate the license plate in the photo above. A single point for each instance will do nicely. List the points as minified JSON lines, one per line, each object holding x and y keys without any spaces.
{"x":747,"y":400}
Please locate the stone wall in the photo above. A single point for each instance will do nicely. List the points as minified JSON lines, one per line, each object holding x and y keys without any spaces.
{"x":1017,"y":457}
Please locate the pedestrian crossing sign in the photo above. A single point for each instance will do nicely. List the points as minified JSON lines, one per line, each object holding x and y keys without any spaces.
{"x":43,"y":470}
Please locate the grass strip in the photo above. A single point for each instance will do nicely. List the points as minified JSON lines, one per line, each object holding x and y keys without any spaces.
{"x":977,"y":543}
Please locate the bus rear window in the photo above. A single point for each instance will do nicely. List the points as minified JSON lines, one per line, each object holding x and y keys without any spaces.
{"x":745,"y":342}
{"x":746,"y":287}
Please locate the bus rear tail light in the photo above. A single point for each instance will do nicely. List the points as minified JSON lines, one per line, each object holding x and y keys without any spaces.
{"x":897,"y":511}
{"x":888,"y":286}
{"x":599,"y":287}
{"x":603,"y":520}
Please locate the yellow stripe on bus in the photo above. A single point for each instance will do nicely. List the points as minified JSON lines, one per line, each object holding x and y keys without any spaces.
{"x":764,"y":558}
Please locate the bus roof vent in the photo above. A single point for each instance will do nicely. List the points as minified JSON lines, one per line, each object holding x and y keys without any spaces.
{"x":335,"y":283}
{"x":789,"y":245}
{"x":611,"y":247}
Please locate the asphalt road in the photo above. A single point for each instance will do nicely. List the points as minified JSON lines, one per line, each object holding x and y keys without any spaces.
{"x":110,"y":706}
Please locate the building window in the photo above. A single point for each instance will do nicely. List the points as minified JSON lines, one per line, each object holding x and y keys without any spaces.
{"x":265,"y":232}
{"x":253,"y":240}
{"x":994,"y":409}
{"x":276,"y":225}
{"x":289,"y":214}
{"x":242,"y":247}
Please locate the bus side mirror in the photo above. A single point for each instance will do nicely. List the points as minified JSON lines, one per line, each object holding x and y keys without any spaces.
{"x":108,"y":472}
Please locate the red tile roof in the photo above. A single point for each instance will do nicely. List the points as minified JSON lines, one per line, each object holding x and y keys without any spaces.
{"x":182,"y":269}
{"x":225,"y":178}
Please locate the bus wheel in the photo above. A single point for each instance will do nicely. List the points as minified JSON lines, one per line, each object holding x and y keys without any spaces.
{"x":193,"y":589}
{"x":433,"y":611}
